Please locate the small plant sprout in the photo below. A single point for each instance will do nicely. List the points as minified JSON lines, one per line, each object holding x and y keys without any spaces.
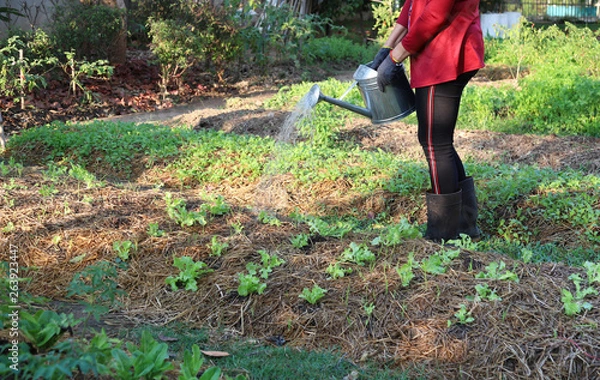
{"x":358,"y":254}
{"x":237,"y":227}
{"x":438,"y":262}
{"x":405,"y":271}
{"x":122,"y":249}
{"x":397,"y":233}
{"x":336,"y":271}
{"x":575,"y":303}
{"x":217,"y":248}
{"x":268,"y":263}
{"x":484,"y":293}
{"x":216,"y":206}
{"x":300,"y":240}
{"x":314,"y":295}
{"x":462,"y":316}
{"x":154,"y":230}
{"x":498,"y":271}
{"x":176,"y":209}
{"x":265,"y":218}
{"x":592,"y":271}
{"x":250,"y":282}
{"x":369,"y":308}
{"x":189,"y":271}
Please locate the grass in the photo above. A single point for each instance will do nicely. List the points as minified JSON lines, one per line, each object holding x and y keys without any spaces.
{"x":266,"y":361}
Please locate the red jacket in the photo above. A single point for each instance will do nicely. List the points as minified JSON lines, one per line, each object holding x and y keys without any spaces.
{"x":444,"y":38}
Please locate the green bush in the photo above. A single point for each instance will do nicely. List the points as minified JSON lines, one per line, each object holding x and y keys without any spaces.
{"x":337,"y":49}
{"x":89,"y":30}
{"x":559,"y":94}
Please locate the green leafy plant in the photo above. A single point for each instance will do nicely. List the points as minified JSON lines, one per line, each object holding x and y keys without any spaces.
{"x":177,"y":46}
{"x":592,"y":271}
{"x":268,"y":263}
{"x":123,"y":249}
{"x":176,"y":209}
{"x":462,"y":316}
{"x":79,"y":69}
{"x":217,"y":248}
{"x":20,"y":74}
{"x":358,"y":254}
{"x":397,"y":233}
{"x":250,"y":282}
{"x":484,"y":293}
{"x":336,"y":271}
{"x":44,"y":328}
{"x":497,"y":271}
{"x":337,"y":229}
{"x":314,"y":295}
{"x":266,"y":218}
{"x":191,"y":365}
{"x":405,"y":271}
{"x":215,"y":206}
{"x":300,"y":240}
{"x":154,"y":230}
{"x":98,"y":286}
{"x":438,"y":262}
{"x":88,"y":28}
{"x":575,"y":303}
{"x":148,"y":361}
{"x":189,"y":271}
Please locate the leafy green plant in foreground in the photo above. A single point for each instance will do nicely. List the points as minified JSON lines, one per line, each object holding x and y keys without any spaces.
{"x":176,"y":209}
{"x":97,"y":284}
{"x":406,"y":270}
{"x":358,"y":254}
{"x":497,"y":271}
{"x":217,"y":248}
{"x":189,"y":271}
{"x":575,"y":303}
{"x":397,"y":233}
{"x":462,"y":316}
{"x":251,"y":282}
{"x":314,"y":295}
{"x":149,"y":360}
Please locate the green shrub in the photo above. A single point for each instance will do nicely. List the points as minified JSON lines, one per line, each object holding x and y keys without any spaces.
{"x":89,"y":30}
{"x":177,"y":47}
{"x":336,"y":49}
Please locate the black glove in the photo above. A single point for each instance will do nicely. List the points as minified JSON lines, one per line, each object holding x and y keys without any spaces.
{"x":388,"y":72}
{"x":380,"y":57}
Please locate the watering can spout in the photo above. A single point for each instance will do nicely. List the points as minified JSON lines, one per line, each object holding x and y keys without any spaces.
{"x":316,"y":96}
{"x":396,"y":102}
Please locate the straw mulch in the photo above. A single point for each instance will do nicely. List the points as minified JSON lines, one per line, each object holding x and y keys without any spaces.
{"x":526,"y":335}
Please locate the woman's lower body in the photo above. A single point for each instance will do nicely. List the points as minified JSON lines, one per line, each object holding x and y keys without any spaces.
{"x":451,"y":202}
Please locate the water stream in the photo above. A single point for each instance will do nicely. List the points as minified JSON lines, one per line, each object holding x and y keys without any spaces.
{"x":271,"y":190}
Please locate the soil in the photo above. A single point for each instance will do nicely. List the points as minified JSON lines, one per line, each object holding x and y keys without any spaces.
{"x":524,"y":334}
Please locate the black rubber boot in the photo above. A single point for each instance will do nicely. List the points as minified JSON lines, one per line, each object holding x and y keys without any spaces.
{"x":443,"y":215}
{"x":469,"y":211}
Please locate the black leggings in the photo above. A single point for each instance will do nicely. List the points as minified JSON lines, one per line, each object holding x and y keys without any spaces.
{"x":437,"y":111}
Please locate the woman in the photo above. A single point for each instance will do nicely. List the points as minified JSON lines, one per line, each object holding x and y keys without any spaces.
{"x":444,"y":41}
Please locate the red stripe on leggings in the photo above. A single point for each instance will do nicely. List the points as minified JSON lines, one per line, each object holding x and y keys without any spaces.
{"x":435,"y":182}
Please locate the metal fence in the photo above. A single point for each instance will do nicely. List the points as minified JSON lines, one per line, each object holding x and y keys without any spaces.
{"x":587,"y":11}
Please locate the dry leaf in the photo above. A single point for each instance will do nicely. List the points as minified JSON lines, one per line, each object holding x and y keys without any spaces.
{"x":215,"y":354}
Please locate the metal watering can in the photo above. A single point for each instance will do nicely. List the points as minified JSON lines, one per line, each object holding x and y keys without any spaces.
{"x":396,"y":102}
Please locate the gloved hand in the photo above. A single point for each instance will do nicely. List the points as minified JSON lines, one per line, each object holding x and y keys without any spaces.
{"x":379,"y":57}
{"x":387,"y":72}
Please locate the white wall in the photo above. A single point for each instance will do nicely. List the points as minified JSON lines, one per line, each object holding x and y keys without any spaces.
{"x":36,"y":13}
